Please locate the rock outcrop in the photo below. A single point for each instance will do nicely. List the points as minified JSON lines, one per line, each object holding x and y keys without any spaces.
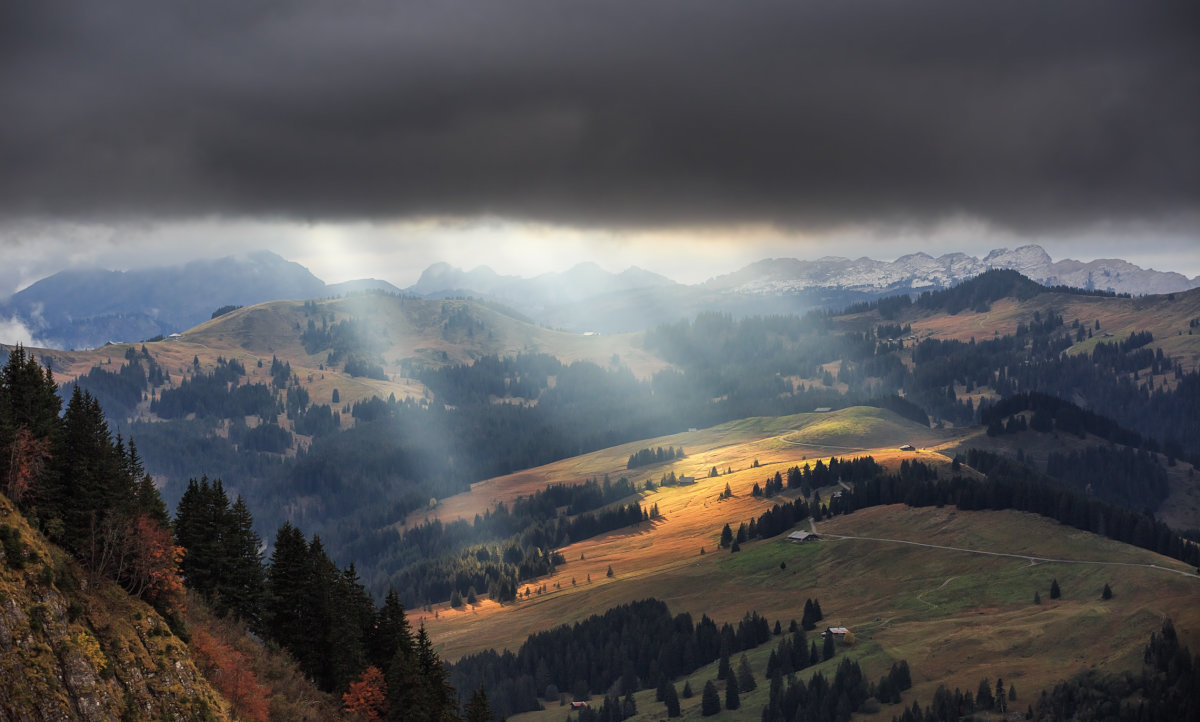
{"x":74,"y":649}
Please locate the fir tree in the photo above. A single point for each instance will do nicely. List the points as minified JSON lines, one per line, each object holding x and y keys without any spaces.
{"x":710,"y":700}
{"x":671,"y":699}
{"x":983,"y":695}
{"x":745,"y":676}
{"x":732,"y":700}
{"x":478,"y":709}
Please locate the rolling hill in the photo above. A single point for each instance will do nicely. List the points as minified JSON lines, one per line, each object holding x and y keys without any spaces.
{"x":950,"y":591}
{"x":450,"y":399}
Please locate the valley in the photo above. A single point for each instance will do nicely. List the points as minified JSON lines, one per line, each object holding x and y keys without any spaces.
{"x":482,"y":468}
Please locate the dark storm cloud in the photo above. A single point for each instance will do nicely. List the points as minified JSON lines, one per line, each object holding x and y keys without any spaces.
{"x":1029,"y":115}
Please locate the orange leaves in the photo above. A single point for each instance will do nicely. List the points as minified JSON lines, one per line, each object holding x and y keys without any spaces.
{"x":25,"y":461}
{"x":153,"y":571}
{"x":368,"y":697}
{"x":229,"y":671}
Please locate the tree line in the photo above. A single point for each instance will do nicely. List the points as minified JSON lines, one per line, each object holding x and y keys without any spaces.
{"x":632,"y":646}
{"x":646,"y":457}
{"x":87,"y":492}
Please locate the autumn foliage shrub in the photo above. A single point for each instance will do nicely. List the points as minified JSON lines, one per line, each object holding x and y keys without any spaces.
{"x":368,"y":696}
{"x":229,"y":671}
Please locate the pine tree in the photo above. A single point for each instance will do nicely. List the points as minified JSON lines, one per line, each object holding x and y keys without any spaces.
{"x":1107,"y":593}
{"x":1055,"y":592}
{"x":392,"y":635}
{"x":478,"y":709}
{"x":710,"y":700}
{"x":288,"y":617}
{"x":732,"y":700}
{"x":827,"y":649}
{"x":1037,"y":598}
{"x":671,"y":699}
{"x":983,"y":695}
{"x":809,"y":619}
{"x":687,"y":690}
{"x":439,"y":697}
{"x":243,"y":581}
{"x":745,"y":676}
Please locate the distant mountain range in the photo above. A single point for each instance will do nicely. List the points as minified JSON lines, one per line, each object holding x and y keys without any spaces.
{"x":922,"y":272}
{"x":88,"y":308}
{"x":587,"y":298}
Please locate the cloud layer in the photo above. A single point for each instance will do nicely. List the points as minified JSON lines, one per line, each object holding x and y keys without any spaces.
{"x":1030,"y":116}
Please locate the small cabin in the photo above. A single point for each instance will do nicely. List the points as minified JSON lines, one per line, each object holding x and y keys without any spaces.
{"x":685,"y":480}
{"x":838,"y":632}
{"x":579,"y":705}
{"x":799,"y":537}
{"x":908,"y":447}
{"x":822,"y":409}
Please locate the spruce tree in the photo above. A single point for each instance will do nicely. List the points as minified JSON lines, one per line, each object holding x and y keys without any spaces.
{"x":710,"y":700}
{"x":983,"y":695}
{"x":392,"y":635}
{"x":478,"y":709}
{"x":1055,"y":592}
{"x":809,"y":619}
{"x":288,"y":620}
{"x":723,"y":671}
{"x":745,"y":676}
{"x":827,"y":648}
{"x":671,"y":699}
{"x":1107,"y":593}
{"x":687,"y":690}
{"x":438,"y":695}
{"x":242,"y":584}
{"x":732,"y":700}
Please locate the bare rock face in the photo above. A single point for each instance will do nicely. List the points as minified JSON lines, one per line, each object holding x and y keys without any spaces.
{"x":921,"y":272}
{"x":70,"y":654}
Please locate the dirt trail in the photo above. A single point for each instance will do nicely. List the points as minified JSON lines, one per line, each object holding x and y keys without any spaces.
{"x":1030,"y":558}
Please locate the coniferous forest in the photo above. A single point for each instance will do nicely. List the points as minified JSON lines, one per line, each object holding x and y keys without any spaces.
{"x":269,"y":489}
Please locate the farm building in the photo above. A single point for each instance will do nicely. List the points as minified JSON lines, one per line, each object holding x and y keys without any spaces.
{"x":822,"y":409}
{"x":908,"y":447}
{"x":686,"y":480}
{"x":836,"y":632}
{"x":802,"y":536}
{"x":579,"y":705}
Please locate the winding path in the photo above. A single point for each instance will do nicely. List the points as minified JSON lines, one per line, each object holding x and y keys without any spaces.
{"x":1028,"y":557}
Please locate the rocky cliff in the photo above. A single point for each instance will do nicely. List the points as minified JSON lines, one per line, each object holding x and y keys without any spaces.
{"x":71,"y":649}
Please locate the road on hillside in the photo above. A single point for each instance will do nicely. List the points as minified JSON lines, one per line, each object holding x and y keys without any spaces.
{"x":1030,"y":558}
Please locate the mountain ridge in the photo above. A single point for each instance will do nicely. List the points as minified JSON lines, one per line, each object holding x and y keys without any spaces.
{"x":86,"y":308}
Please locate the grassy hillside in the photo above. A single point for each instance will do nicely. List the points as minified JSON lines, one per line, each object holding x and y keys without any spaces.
{"x":1167,"y":317}
{"x":776,"y":443}
{"x":410,"y":331}
{"x":956,"y":616}
{"x":73,"y":648}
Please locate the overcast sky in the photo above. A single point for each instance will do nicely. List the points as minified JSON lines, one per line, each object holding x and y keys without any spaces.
{"x":374,"y":137}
